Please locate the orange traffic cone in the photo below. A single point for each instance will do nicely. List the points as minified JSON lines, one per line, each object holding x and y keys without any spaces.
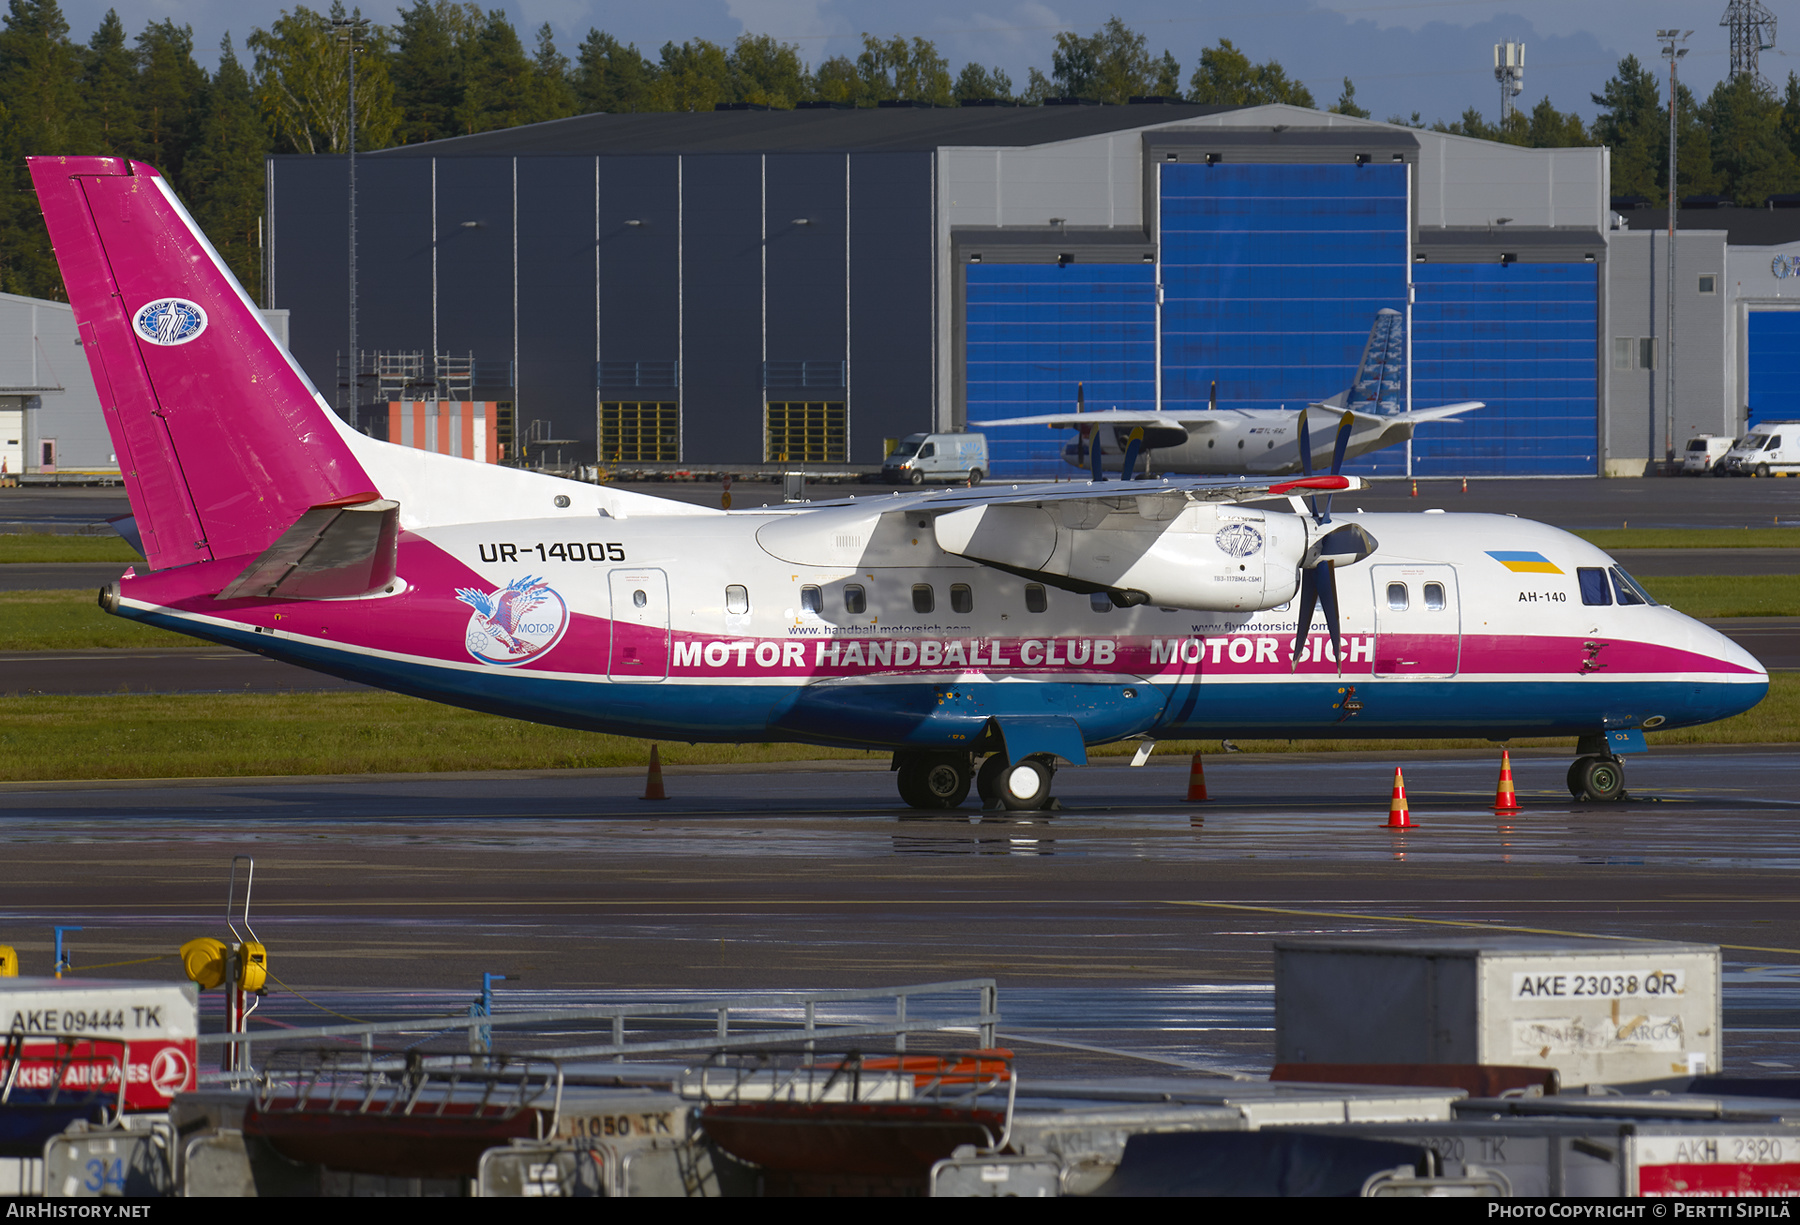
{"x":653,"y":788}
{"x":1465,"y":484}
{"x":1398,"y":817}
{"x":1505,"y":798}
{"x":1196,"y":781}
{"x":1415,"y":492}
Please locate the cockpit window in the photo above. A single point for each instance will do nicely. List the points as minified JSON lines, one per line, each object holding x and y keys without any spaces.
{"x":1628,"y":590}
{"x":1594,"y":588}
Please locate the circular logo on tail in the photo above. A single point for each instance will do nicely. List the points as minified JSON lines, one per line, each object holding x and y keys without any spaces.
{"x":170,"y":321}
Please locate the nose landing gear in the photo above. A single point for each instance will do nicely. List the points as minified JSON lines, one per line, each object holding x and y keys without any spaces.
{"x":1600,"y":778}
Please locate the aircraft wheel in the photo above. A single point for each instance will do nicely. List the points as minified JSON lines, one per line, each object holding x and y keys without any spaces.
{"x":1025,"y":785}
{"x":917,"y":477}
{"x":934,"y":782}
{"x":987,"y":780}
{"x":1597,"y":778}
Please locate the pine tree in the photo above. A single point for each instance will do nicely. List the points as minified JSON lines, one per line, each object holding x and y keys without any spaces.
{"x":427,"y":67}
{"x":171,"y":94}
{"x":1633,"y":125}
{"x":109,"y":85}
{"x":1226,"y":77}
{"x":610,"y":76}
{"x":41,"y":112}
{"x":1346,"y":103}
{"x":1549,"y":128}
{"x":549,"y":93}
{"x":224,"y":173}
{"x":497,"y":78}
{"x":977,"y":84}
{"x":1749,"y":156}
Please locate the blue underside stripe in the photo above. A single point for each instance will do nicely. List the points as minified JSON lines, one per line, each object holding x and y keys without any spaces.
{"x":952,"y":715}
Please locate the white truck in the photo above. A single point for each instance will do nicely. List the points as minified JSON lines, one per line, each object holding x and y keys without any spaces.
{"x":1703,"y":453}
{"x":1769,"y":449}
{"x":937,"y":457}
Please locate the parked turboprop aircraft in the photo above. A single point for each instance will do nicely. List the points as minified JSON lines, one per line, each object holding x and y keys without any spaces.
{"x":1260,"y":441}
{"x":1018,"y":623}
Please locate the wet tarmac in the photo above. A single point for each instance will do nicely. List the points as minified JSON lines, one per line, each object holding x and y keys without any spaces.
{"x":1129,"y":920}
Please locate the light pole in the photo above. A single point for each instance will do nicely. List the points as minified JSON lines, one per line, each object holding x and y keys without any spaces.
{"x":350,"y":32}
{"x":1672,"y":51}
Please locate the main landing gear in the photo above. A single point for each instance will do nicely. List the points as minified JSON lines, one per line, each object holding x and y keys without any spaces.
{"x":942,"y":780}
{"x":1597,"y":778}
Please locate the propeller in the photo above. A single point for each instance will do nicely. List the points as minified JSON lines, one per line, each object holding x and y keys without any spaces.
{"x":1345,"y":545}
{"x":1132,"y":448}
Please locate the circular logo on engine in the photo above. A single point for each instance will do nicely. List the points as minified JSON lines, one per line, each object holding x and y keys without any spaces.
{"x":169,"y":321}
{"x":518,"y":622}
{"x":1238,"y":540}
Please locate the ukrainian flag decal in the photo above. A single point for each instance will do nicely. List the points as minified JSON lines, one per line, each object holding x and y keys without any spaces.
{"x":1520,"y":561}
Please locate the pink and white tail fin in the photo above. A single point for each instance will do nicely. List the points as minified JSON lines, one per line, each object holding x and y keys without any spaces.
{"x":222,"y":441}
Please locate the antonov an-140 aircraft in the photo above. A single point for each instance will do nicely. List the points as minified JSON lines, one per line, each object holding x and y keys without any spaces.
{"x":1261,"y":441}
{"x":1008,"y":625}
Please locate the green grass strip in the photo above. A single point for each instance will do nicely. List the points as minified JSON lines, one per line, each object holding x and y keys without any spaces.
{"x":1694,"y":538}
{"x":233,"y":735}
{"x":73,"y":621}
{"x":44,"y":548}
{"x":1728,"y":595}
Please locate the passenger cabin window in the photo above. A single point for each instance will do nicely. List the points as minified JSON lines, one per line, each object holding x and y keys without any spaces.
{"x":1593,"y":585}
{"x":639,"y":599}
{"x":812,"y":600}
{"x":924,"y":599}
{"x":1035,"y":600}
{"x":1434,"y":597}
{"x":962,"y":599}
{"x":1099,"y":601}
{"x":1397,"y":596}
{"x":856,"y":600}
{"x":737,"y":599}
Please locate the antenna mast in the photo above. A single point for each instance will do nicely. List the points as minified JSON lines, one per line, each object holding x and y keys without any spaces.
{"x":1509,"y":70}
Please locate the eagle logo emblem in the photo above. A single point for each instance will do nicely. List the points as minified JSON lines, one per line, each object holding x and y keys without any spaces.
{"x":520,"y":621}
{"x":169,"y":321}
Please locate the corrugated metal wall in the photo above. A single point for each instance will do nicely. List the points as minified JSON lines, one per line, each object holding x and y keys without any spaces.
{"x":1522,"y":338}
{"x":1035,"y":331}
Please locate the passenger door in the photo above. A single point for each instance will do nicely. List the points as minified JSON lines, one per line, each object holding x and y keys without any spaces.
{"x":640,"y":615}
{"x":1418,"y":624}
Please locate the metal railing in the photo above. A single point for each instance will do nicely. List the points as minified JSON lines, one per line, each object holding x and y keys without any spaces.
{"x":715,"y":1014}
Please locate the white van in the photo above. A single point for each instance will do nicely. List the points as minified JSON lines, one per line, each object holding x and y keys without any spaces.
{"x":1771,"y":449}
{"x":1704,"y":451}
{"x":937,"y":457}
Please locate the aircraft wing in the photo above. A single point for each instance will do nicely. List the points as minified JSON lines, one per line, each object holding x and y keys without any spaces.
{"x":1195,"y":420}
{"x":1183,"y":488}
{"x":1436,"y":412}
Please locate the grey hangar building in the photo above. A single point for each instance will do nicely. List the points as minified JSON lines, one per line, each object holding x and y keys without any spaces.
{"x":751,"y":287}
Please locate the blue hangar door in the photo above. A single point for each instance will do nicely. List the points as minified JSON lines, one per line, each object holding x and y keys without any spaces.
{"x":1772,"y":386}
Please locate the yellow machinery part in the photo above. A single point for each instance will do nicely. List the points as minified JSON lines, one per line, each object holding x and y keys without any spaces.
{"x":9,"y":961}
{"x":204,"y":961}
{"x":253,"y":966}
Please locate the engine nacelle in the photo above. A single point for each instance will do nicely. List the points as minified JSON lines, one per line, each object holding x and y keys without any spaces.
{"x":1178,"y":554}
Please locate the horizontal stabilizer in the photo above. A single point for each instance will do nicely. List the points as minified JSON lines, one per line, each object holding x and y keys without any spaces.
{"x":331,"y":552}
